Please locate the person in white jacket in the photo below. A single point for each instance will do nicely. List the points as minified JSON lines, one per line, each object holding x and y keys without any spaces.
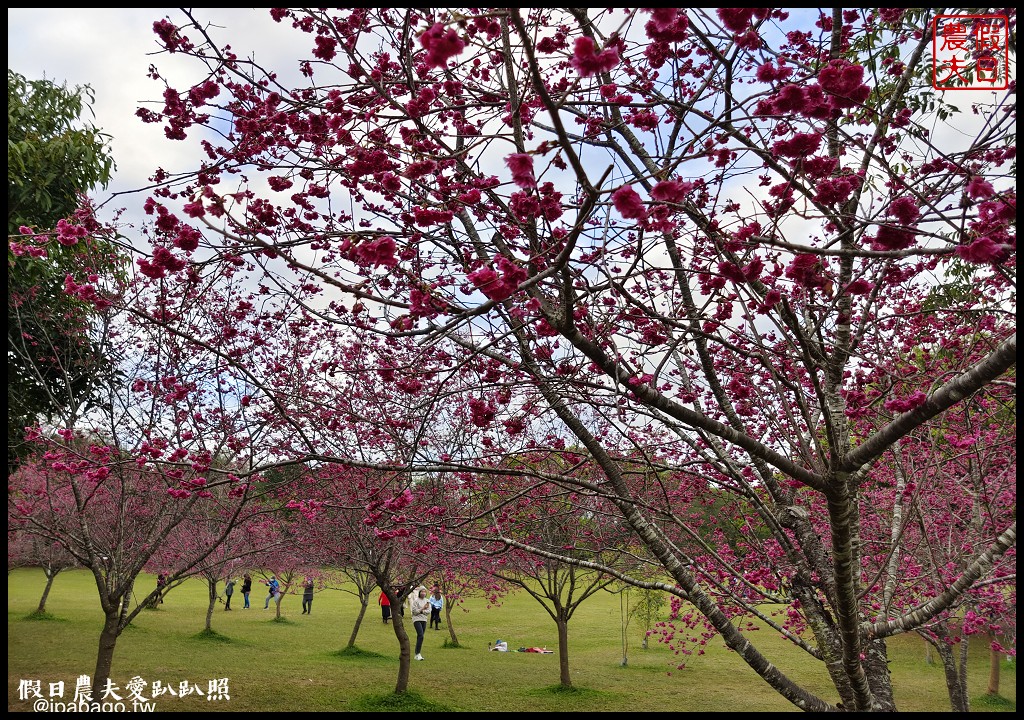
{"x":419,"y":608}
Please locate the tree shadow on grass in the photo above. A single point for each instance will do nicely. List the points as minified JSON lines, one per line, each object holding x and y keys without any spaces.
{"x":36,"y":616}
{"x":212,"y":636}
{"x":357,"y":653}
{"x":572,"y":691}
{"x":995,"y":702}
{"x":397,"y":702}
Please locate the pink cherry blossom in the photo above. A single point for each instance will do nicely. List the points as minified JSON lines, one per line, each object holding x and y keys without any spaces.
{"x":978,"y":188}
{"x":628,"y":203}
{"x":441,"y":44}
{"x":521,"y":166}
{"x":735,"y":19}
{"x":674,"y":191}
{"x":588,"y":61}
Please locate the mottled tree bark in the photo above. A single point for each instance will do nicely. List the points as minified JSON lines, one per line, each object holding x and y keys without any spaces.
{"x":363,"y":602}
{"x":404,"y":649}
{"x":448,"y":622}
{"x":50,"y":575}
{"x":564,"y":679}
{"x":211,"y":586}
{"x":994,"y":660}
{"x":105,"y":654}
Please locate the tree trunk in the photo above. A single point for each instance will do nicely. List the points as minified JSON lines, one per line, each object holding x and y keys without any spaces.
{"x":212,"y":586}
{"x":993,"y":666}
{"x":563,"y":653}
{"x":50,"y":575}
{"x":876,"y":666}
{"x":105,"y":655}
{"x":955,"y":687}
{"x":448,"y":622}
{"x":928,"y":653}
{"x":363,"y":602}
{"x":842,"y":514}
{"x":277,"y":604}
{"x":965,"y":644}
{"x":829,"y":643}
{"x":404,"y":654}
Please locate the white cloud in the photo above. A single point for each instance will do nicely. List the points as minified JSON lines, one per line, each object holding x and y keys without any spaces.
{"x":103,"y":48}
{"x":111,"y":50}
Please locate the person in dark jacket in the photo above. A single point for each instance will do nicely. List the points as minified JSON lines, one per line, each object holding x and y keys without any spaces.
{"x":246,"y":589}
{"x":307,"y":596}
{"x":229,"y":590}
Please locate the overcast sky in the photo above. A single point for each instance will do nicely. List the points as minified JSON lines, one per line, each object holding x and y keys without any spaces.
{"x":111,"y":50}
{"x":104,"y":48}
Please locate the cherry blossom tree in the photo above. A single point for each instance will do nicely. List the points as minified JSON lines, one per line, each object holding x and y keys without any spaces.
{"x":1003,"y":637}
{"x":565,"y":526}
{"x":388,"y":541}
{"x":699,"y":248}
{"x":465,"y":572}
{"x":284,"y":560}
{"x":955,"y":487}
{"x":112,"y":484}
{"x":199,"y":547}
{"x":338,"y":539}
{"x":30,"y":550}
{"x":360,"y":582}
{"x":647,"y":607}
{"x":559,"y":587}
{"x":350,"y":511}
{"x":112,"y":517}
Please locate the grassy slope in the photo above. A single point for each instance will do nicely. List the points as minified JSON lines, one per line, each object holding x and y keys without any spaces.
{"x":294,"y":665}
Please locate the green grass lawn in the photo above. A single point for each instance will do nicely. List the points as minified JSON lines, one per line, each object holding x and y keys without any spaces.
{"x":295,"y":665}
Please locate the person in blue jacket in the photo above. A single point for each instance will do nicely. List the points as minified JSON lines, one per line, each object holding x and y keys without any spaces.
{"x":436,"y":603}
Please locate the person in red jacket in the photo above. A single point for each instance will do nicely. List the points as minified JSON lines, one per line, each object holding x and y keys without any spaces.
{"x":385,"y":606}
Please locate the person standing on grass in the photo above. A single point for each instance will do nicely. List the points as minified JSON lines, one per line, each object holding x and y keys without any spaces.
{"x":246,"y":589}
{"x":436,"y":603}
{"x":229,"y":590}
{"x":385,"y":606}
{"x":419,"y":608}
{"x":273,"y":586}
{"x":307,"y":596}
